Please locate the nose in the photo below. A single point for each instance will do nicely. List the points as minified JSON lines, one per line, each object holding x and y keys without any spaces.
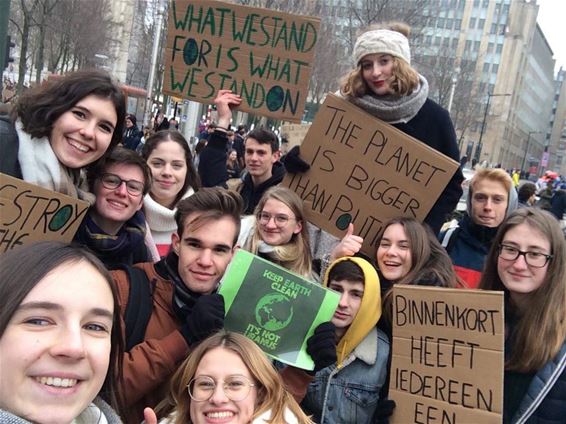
{"x":218,"y":397}
{"x":391,"y":250}
{"x":271,"y":223}
{"x":205,"y":258}
{"x":69,"y":343}
{"x":343,"y":300}
{"x":87,"y":131}
{"x":488,"y":204}
{"x":376,"y":70}
{"x":122,"y":190}
{"x":520,"y":262}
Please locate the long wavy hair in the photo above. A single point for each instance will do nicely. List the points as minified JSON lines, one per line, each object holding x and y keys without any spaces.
{"x":296,"y":254}
{"x":541,"y":327}
{"x":271,"y":393}
{"x":405,"y":79}
{"x":431,"y":265}
{"x":22,"y":269}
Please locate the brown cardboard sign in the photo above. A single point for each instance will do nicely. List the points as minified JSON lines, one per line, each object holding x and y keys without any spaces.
{"x":447,"y":356}
{"x":365,"y":171}
{"x":295,"y":133}
{"x":30,"y":213}
{"x":263,"y":55}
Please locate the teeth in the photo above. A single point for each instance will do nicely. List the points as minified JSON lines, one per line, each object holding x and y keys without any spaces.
{"x":121,"y":205}
{"x":56,"y":381}
{"x":79,"y":146}
{"x":219,"y":415}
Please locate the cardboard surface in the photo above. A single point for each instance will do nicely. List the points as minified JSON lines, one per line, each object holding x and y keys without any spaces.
{"x":447,"y":363}
{"x":365,"y":171}
{"x":30,"y":213}
{"x":264,"y":55}
{"x":295,"y":133}
{"x":276,"y":309}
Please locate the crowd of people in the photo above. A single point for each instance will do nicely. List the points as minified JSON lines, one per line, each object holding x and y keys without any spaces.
{"x":127,"y":324}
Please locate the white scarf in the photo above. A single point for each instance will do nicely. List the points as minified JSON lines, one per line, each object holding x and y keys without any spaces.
{"x":160,"y":218}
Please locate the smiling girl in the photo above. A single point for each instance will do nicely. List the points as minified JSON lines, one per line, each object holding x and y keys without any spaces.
{"x":60,"y":339}
{"x":59,"y":128}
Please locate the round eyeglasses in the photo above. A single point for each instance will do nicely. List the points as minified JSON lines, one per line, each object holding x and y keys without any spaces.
{"x":113,"y":181}
{"x":534,"y":259}
{"x":236,"y":388}
{"x":280,"y":220}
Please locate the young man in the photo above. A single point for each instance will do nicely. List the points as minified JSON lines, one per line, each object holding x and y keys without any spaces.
{"x":491,"y":198}
{"x":347,"y":391}
{"x":114,"y":228}
{"x":185,"y":308}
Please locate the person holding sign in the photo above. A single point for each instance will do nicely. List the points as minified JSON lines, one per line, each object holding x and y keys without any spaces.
{"x":115,"y":228}
{"x":60,"y":341}
{"x":386,"y":86}
{"x":347,"y":391}
{"x":59,"y":128}
{"x":279,"y":231}
{"x":174,"y":178}
{"x":527,"y":261}
{"x":227,"y":379}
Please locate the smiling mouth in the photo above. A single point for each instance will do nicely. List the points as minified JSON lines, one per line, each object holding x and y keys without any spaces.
{"x":57,"y":382}
{"x":219,"y":415}
{"x":117,"y":204}
{"x":80,"y":147}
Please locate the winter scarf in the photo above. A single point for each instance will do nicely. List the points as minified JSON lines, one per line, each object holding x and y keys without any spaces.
{"x":41,"y":167}
{"x":393,"y":109}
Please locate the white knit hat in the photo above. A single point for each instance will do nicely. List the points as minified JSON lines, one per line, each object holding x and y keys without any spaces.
{"x":382,"y":41}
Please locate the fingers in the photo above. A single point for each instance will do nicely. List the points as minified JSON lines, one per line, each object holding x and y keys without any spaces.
{"x":149,"y":416}
{"x":350,"y":230}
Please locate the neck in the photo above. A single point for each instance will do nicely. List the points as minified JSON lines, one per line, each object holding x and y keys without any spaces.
{"x":106,"y":225}
{"x":168,"y":203}
{"x":257,"y":180}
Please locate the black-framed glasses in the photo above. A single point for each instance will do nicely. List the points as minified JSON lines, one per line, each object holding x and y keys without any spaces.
{"x":280,"y":219}
{"x":113,"y":181}
{"x":534,"y":259}
{"x":236,"y":388}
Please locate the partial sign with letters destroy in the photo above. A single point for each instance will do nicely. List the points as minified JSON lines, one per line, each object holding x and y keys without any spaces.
{"x":263,"y":55}
{"x":448,"y":358}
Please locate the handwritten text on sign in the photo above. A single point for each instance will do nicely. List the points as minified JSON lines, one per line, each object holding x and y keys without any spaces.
{"x":263,"y":55}
{"x":447,"y":364}
{"x":30,"y":213}
{"x":365,"y":171}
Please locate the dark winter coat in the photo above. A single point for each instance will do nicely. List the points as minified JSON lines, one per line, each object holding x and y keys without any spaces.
{"x":132,"y":138}
{"x":212,"y":161}
{"x":9,"y":146}
{"x":252,"y":194}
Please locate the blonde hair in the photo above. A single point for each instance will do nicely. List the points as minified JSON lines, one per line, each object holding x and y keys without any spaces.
{"x":541,"y":326}
{"x":295,"y":255}
{"x":496,"y":174}
{"x":405,"y":79}
{"x":271,"y":393}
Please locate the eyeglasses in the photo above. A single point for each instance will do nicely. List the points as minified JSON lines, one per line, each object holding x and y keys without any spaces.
{"x":534,"y":259}
{"x":113,"y":181}
{"x":279,"y":219}
{"x":236,"y":388}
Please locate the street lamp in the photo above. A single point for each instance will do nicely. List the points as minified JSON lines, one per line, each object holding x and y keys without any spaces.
{"x":527,"y":149}
{"x":453,"y":88}
{"x":477,"y":155}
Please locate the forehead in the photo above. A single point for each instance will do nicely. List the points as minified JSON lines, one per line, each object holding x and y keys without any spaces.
{"x":126,"y":171}
{"x":211,"y":231}
{"x":168,"y":149}
{"x":395,"y":231}
{"x":489,"y":186}
{"x":526,"y":236}
{"x":277,"y":206}
{"x":253,"y":144}
{"x":372,"y":57}
{"x":348,"y":284}
{"x":101,"y":107}
{"x":220,"y":362}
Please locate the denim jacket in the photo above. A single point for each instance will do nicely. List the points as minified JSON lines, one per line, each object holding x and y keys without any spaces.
{"x":349,"y":394}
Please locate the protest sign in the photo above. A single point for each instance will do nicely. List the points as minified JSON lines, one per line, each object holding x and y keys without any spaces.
{"x":295,"y":133}
{"x":263,"y":55}
{"x":30,"y":213}
{"x":447,"y":361}
{"x":365,"y":171}
{"x":275,"y":308}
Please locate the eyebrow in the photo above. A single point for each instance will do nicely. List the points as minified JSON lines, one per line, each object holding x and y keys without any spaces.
{"x":50,"y":306}
{"x":102,"y":120}
{"x":514,"y":244}
{"x":199,"y":241}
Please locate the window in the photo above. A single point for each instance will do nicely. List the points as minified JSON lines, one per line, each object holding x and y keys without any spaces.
{"x":468,"y":45}
{"x":458,"y":24}
{"x":493,"y":29}
{"x":481,"y":23}
{"x":472,"y":23}
{"x":454,"y":43}
{"x":437,"y":41}
{"x":440,"y":23}
{"x":489,"y":47}
{"x":449,"y":23}
{"x":499,"y":48}
{"x":476,"y":46}
{"x":486,"y":67}
{"x":494,"y":69}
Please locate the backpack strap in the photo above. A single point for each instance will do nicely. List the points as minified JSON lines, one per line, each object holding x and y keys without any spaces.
{"x":450,"y":237}
{"x":139,"y":307}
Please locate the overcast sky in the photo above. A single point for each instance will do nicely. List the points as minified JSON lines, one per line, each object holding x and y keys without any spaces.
{"x":552,"y":20}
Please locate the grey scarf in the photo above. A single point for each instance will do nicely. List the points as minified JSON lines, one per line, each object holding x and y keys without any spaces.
{"x":394,"y":109}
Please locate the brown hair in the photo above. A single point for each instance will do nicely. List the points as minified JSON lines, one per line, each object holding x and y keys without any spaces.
{"x":295,"y":255}
{"x":271,"y":393}
{"x":40,"y":107}
{"x":212,"y":203}
{"x":192,"y":178}
{"x":23,"y":268}
{"x":541,"y":326}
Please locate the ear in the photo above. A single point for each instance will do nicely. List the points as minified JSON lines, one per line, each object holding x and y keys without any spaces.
{"x":298,"y":227}
{"x":176,"y":242}
{"x":140,"y":205}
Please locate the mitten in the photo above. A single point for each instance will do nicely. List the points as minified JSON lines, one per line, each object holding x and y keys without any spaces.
{"x":206,"y":318}
{"x":293,"y":162}
{"x":321,"y":346}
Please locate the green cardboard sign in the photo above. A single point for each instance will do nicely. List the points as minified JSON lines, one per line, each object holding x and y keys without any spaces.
{"x":274,"y":307}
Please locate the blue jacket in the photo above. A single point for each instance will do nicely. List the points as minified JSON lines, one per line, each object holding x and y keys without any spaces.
{"x":350,"y":394}
{"x":545,"y":401}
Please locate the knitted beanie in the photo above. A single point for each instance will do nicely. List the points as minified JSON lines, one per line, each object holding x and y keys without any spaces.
{"x":382,"y":41}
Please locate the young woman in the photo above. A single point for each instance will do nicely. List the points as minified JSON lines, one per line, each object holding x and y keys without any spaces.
{"x":228,"y":379}
{"x":61,"y":127}
{"x":174,"y":178}
{"x":232,"y":165}
{"x":527,"y":262}
{"x":385,"y":85}
{"x":60,"y":338}
{"x":278,"y":231}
